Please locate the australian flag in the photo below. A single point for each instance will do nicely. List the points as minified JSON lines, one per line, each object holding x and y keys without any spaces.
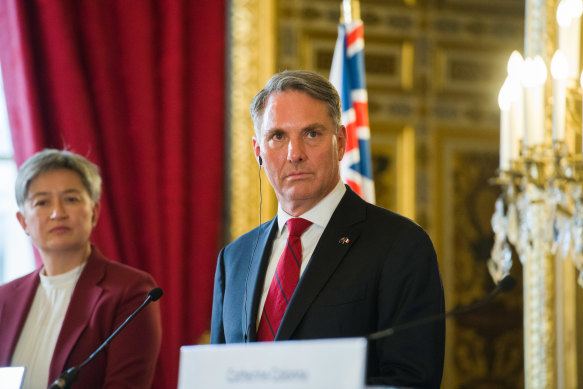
{"x":347,"y":75}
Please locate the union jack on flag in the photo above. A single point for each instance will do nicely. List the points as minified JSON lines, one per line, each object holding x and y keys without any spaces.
{"x":347,"y":75}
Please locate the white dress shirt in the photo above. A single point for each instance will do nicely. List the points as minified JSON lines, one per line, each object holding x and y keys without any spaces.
{"x":38,"y":337}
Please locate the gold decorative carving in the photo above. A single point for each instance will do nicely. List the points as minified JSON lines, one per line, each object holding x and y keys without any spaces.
{"x":407,"y":65}
{"x":535,"y":25}
{"x":482,"y":350}
{"x":251,"y":63}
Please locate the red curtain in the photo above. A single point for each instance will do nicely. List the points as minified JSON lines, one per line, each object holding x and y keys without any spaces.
{"x":137,"y":87}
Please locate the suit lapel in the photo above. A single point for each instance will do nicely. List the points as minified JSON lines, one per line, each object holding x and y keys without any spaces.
{"x":256,"y":275}
{"x":82,"y":304}
{"x":340,"y":233}
{"x":14,"y":311}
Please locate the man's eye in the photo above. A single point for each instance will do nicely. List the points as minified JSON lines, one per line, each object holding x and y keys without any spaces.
{"x":40,"y":203}
{"x":71,"y":199}
{"x":277,"y":136}
{"x":311,"y":134}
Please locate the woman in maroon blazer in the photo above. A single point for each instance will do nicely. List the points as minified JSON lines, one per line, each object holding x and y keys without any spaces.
{"x":55,"y":317}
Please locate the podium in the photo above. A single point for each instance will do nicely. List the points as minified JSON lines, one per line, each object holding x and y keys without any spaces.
{"x":305,"y":364}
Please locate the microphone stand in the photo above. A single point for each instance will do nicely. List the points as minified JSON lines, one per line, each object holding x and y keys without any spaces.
{"x":69,"y":376}
{"x":504,"y":285}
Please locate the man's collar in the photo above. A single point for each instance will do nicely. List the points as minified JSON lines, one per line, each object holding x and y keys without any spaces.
{"x":321,"y":213}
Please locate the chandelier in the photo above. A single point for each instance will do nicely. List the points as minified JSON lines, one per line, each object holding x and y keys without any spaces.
{"x":539,"y":213}
{"x":540,"y":210}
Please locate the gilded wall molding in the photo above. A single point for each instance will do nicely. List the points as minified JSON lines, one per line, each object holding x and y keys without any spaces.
{"x":535,"y":26}
{"x":250,"y":64}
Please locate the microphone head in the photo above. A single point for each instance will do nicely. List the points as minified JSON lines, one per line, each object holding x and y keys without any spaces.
{"x":155,"y":294}
{"x":506,"y":284}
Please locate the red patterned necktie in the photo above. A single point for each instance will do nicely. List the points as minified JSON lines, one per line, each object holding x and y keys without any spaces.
{"x":285,"y":280}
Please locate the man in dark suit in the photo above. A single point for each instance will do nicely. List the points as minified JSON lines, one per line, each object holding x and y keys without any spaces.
{"x":361,"y":268}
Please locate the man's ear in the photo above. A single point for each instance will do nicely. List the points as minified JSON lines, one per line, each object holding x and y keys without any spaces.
{"x":257,"y":150}
{"x":341,"y":141}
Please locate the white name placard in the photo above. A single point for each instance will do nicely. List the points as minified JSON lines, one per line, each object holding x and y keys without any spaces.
{"x":11,"y":377}
{"x":305,"y":364}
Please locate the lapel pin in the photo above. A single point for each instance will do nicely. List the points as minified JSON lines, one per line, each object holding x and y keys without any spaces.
{"x":344,"y":240}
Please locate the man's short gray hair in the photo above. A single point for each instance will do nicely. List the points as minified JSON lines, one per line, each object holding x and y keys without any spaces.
{"x":52,"y":159}
{"x":308,"y":82}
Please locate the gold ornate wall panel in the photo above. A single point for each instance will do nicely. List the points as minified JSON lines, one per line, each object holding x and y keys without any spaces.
{"x":485,"y":346}
{"x":250,"y":64}
{"x":392,"y":157}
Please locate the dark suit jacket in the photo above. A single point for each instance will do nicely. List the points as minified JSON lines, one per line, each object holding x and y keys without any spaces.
{"x":386,"y":274}
{"x":105,"y":295}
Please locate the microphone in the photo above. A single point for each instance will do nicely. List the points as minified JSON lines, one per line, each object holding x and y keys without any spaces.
{"x":70,"y":375}
{"x":504,"y":285}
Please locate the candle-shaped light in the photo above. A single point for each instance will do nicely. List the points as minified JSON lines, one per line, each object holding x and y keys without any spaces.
{"x":569,"y":20}
{"x":516,"y":116}
{"x":559,"y":69}
{"x":504,"y":102}
{"x":515,"y":71}
{"x":533,"y":80}
{"x":515,"y":64}
{"x":576,"y":6}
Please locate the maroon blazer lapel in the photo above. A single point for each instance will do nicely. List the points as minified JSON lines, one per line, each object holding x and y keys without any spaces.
{"x":15,"y":303}
{"x":85,"y":297}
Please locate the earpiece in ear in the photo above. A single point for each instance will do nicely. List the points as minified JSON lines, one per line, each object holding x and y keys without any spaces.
{"x":260,"y":160}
